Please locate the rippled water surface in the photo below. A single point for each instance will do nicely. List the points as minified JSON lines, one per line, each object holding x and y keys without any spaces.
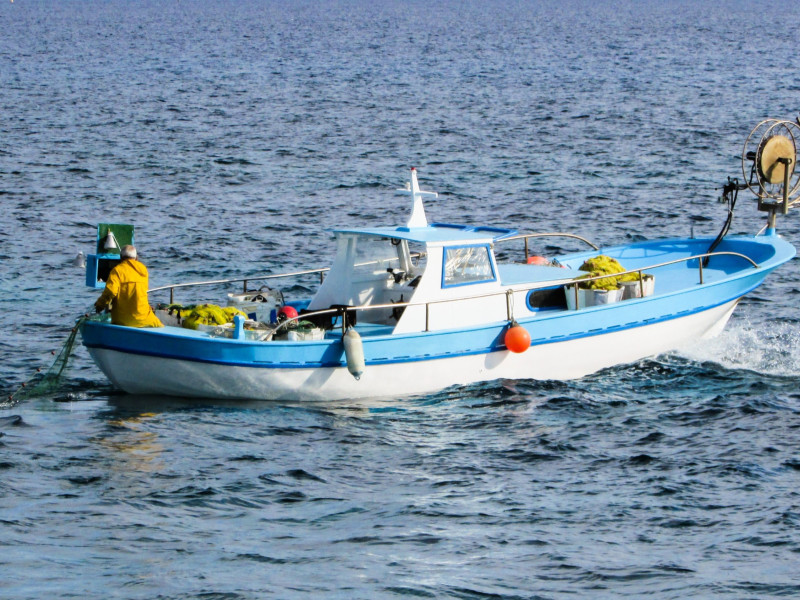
{"x":234,"y":135}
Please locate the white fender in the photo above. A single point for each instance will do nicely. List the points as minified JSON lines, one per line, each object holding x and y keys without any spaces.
{"x":354,"y":352}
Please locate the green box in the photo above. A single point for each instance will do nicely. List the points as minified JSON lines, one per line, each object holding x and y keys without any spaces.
{"x":98,"y":266}
{"x":122,"y":233}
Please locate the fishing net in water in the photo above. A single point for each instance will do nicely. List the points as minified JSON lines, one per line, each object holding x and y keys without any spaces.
{"x":44,"y":383}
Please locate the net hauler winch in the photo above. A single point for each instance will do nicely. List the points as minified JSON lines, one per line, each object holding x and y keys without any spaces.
{"x":770,"y":155}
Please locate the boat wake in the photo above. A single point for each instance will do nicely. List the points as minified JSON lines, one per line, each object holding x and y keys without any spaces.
{"x":766,"y":348}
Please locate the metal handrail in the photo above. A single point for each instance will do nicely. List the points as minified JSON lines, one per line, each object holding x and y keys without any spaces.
{"x":173,"y":286}
{"x":321,"y":271}
{"x":580,"y":280}
{"x":538,"y":286}
{"x":245,"y":280}
{"x":507,"y":292}
{"x":525,"y":236}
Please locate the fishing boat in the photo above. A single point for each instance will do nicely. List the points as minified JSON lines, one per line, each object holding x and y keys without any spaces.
{"x":418,"y":307}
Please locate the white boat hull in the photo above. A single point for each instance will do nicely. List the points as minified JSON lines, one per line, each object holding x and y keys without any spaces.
{"x":571,"y":359}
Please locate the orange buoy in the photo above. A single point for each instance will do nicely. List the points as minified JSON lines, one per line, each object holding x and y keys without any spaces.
{"x":538,"y":260}
{"x":517,"y":338}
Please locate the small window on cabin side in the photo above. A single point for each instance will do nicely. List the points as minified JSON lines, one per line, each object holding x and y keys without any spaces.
{"x":465,"y":265}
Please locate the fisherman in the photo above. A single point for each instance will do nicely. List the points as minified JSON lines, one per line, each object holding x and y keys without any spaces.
{"x":126,"y":293}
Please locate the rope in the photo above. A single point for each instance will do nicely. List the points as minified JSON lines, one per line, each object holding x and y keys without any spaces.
{"x":44,"y":383}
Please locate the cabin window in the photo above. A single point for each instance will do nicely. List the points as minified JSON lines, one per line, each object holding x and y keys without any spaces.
{"x":546,"y":299}
{"x":373,"y":256}
{"x":467,"y":264}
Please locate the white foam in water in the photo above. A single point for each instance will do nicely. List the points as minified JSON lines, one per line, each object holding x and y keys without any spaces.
{"x":768,"y":348}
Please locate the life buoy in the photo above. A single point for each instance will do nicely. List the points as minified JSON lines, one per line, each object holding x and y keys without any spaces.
{"x":517,"y":338}
{"x":287,"y":312}
{"x":538,"y":260}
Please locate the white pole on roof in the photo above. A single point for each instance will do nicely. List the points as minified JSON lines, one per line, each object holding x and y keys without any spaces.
{"x":417,"y":218}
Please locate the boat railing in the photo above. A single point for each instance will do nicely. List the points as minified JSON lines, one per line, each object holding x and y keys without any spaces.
{"x":527,"y":236}
{"x":245,"y":280}
{"x":640,"y":272}
{"x":572,"y":282}
{"x":508,"y":293}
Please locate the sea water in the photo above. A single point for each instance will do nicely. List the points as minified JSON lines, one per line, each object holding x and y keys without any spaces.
{"x":235,"y":135}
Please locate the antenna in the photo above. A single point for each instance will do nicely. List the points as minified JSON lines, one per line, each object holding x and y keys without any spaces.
{"x":417,"y":218}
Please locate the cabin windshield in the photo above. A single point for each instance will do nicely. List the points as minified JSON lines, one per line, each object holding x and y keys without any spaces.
{"x":373,"y":257}
{"x":371,"y":270}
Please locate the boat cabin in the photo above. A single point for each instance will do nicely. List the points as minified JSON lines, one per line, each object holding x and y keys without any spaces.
{"x":448,"y":272}
{"x":441,"y":276}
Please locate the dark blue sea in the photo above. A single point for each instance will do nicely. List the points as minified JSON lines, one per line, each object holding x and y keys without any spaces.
{"x":235,"y":135}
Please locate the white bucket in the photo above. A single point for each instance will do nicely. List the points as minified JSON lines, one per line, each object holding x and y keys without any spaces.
{"x":304,"y":335}
{"x":632,"y":289}
{"x":588,"y":298}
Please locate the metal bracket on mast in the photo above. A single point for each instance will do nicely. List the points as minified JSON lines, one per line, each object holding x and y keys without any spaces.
{"x":417,"y":218}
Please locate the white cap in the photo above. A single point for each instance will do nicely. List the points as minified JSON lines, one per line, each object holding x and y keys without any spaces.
{"x":128,"y":252}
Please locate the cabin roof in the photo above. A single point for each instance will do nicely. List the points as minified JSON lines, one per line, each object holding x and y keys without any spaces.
{"x":436,"y":233}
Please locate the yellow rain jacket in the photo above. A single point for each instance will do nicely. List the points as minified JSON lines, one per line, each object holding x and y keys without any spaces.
{"x":126,"y":291}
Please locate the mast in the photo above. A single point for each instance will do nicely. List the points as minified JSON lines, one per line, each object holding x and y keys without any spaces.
{"x":417,"y":218}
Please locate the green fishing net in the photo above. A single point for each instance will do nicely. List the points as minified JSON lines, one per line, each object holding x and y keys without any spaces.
{"x":47,"y":382}
{"x":601,"y":265}
{"x":210,"y":314}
